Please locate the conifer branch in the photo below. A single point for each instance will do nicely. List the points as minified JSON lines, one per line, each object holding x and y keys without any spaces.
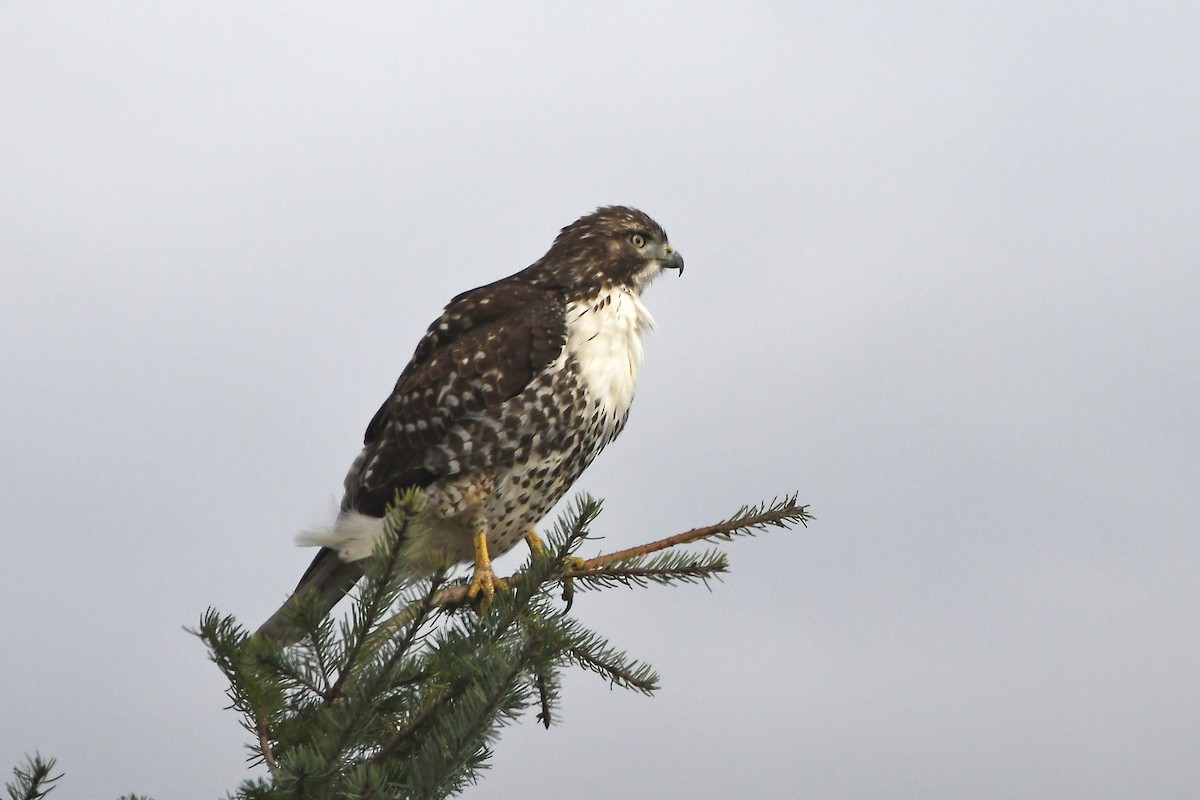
{"x":609,"y":568}
{"x":265,"y":747}
{"x":292,"y":672}
{"x":404,"y":697}
{"x":486,"y":715}
{"x":639,"y":676}
{"x":379,"y":593}
{"x":665,"y":569}
{"x":32,"y":779}
{"x":749,"y":520}
{"x":547,"y":694}
{"x":406,"y":735}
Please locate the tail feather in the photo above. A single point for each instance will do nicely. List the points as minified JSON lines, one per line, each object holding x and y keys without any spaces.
{"x":327,"y":580}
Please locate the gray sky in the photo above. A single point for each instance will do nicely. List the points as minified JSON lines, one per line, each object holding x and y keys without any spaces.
{"x":943,"y":280}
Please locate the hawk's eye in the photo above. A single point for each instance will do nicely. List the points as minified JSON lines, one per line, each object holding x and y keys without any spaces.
{"x":639,"y":241}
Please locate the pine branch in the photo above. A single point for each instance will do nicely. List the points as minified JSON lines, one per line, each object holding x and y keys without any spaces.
{"x":290,"y":671}
{"x":32,"y":779}
{"x":228,"y":645}
{"x":376,"y":680}
{"x":264,"y":747}
{"x":747,"y":521}
{"x":547,"y":691}
{"x":573,"y":528}
{"x":639,"y":676}
{"x":378,"y":594}
{"x":406,"y":735}
{"x":404,"y":698}
{"x":665,"y":569}
{"x":607,"y":569}
{"x":485,"y":716}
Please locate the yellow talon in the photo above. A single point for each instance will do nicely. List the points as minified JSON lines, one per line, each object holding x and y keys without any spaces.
{"x":483,"y":584}
{"x":538,"y":549}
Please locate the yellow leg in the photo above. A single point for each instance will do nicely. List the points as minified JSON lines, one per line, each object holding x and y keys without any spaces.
{"x":536,"y":546}
{"x":483,"y":584}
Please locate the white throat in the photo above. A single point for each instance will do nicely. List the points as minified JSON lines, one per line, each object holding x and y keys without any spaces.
{"x":604,"y":334}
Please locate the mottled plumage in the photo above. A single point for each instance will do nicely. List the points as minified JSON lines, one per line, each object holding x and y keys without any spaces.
{"x":509,"y":396}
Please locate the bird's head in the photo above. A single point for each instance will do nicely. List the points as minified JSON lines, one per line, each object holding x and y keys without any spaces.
{"x":612,"y":246}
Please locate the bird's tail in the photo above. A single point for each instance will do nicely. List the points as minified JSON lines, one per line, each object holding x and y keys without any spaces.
{"x":326,"y":581}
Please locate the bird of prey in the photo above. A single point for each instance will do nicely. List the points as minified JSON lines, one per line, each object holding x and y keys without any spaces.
{"x":510,"y":395}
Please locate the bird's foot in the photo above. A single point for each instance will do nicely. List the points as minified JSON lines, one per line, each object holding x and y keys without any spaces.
{"x":568,"y":585}
{"x":484,"y":582}
{"x":538,"y":549}
{"x":570,"y":563}
{"x":482,"y":590}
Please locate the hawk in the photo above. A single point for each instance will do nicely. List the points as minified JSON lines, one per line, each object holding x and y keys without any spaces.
{"x":510,"y":395}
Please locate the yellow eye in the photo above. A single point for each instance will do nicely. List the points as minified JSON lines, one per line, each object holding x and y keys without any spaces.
{"x":638,"y":240}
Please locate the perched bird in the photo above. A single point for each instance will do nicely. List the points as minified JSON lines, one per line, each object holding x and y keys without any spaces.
{"x":509,"y":396}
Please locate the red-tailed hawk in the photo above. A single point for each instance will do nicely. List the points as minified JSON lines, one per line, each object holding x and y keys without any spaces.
{"x":509,"y":396}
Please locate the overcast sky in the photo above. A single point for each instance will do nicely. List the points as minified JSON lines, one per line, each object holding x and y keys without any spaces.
{"x":943,"y":280}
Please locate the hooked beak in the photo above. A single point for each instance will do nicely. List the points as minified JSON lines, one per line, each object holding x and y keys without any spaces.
{"x":671,"y":259}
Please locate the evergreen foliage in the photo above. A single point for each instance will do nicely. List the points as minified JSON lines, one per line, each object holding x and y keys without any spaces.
{"x":404,"y":698}
{"x":32,"y":779}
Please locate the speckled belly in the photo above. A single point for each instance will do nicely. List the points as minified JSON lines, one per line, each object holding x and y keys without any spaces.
{"x":515,"y":497}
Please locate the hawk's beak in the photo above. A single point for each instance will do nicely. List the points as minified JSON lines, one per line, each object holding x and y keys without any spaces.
{"x":672,"y":259}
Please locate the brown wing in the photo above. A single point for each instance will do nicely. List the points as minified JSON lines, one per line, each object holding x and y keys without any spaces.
{"x":486,"y":348}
